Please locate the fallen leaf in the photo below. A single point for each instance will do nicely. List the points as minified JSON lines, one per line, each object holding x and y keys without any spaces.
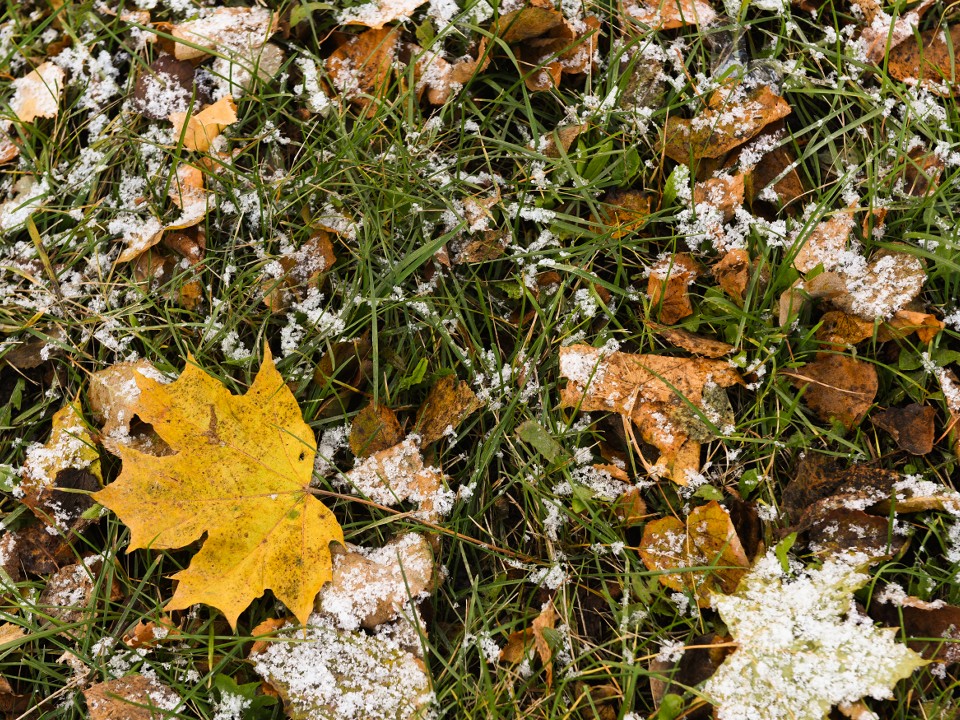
{"x":151,"y":633}
{"x":241,"y":473}
{"x":515,"y":650}
{"x":698,"y":662}
{"x":69,"y":594}
{"x":843,"y":530}
{"x":911,"y":427}
{"x":724,"y":194}
{"x":441,"y":79}
{"x":837,"y":387}
{"x":778,"y":163}
{"x":839,"y":329}
{"x":290,"y":278}
{"x":165,"y":82}
{"x":814,"y":647}
{"x":668,"y":287}
{"x":931,"y":62}
{"x":224,"y":29}
{"x":708,"y":540}
{"x":378,"y":13}
{"x":623,"y":212}
{"x":321,"y":671}
{"x":33,"y":551}
{"x":449,"y":402}
{"x":244,"y":67}
{"x":113,"y":396}
{"x":398,"y":474}
{"x":527,"y":23}
{"x":883,"y":285}
{"x":696,"y":344}
{"x":133,"y":697}
{"x":562,"y":138}
{"x":205,"y":126}
{"x":669,"y":14}
{"x":37,"y":94}
{"x":882,"y":33}
{"x":9,"y":150}
{"x":919,"y":619}
{"x":373,"y":429}
{"x":361,"y":67}
{"x":68,"y":461}
{"x":372,"y":586}
{"x":141,"y":238}
{"x":10,"y":633}
{"x":922,"y":171}
{"x":187,"y":187}
{"x":733,"y":274}
{"x":654,"y":392}
{"x":825,"y":244}
{"x":718,"y":130}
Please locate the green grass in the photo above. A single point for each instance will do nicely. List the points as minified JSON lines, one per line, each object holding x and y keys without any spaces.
{"x":394,"y":173}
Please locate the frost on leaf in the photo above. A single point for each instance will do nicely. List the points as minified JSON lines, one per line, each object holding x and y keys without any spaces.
{"x":204,"y":127}
{"x":669,"y":14}
{"x":240,"y":472}
{"x":133,"y":697}
{"x":225,"y":29}
{"x":378,"y":13}
{"x":38,"y":93}
{"x":324,"y":673}
{"x":802,"y":647}
{"x":656,"y":393}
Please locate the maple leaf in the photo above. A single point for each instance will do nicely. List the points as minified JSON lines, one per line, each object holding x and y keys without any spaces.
{"x":240,"y":473}
{"x":802,"y":647}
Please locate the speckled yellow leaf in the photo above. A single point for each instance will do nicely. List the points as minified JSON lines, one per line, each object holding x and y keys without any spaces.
{"x":204,"y":127}
{"x":240,"y":473}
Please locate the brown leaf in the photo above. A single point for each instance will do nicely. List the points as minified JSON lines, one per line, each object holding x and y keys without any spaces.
{"x":890,"y":280}
{"x":563,"y":137}
{"x":133,"y":697}
{"x":842,"y":530}
{"x":141,"y":239}
{"x":68,"y":593}
{"x":733,"y":274}
{"x":151,"y":633}
{"x":911,"y":427}
{"x":155,"y":85}
{"x":378,"y":13}
{"x":718,"y":130}
{"x":923,"y":620}
{"x":447,"y":405}
{"x":516,"y":648}
{"x":704,"y":347}
{"x":630,"y":507}
{"x":113,"y":395}
{"x":653,"y":392}
{"x":526,"y":23}
{"x":361,"y":67}
{"x":442,"y":79}
{"x":707,"y":540}
{"x":9,"y":150}
{"x":878,"y":38}
{"x":205,"y":126}
{"x":905,"y":322}
{"x":723,"y":193}
{"x":669,"y":14}
{"x":930,"y":62}
{"x":37,"y":94}
{"x":398,"y":474}
{"x":825,"y":243}
{"x":699,"y":661}
{"x":838,"y":387}
{"x":33,"y":551}
{"x":267,"y":629}
{"x":623,"y":212}
{"x":190,"y":243}
{"x":373,"y":429}
{"x":839,"y":329}
{"x":372,"y":586}
{"x":225,"y":29}
{"x":668,"y":287}
{"x":302,"y":269}
{"x":770,"y":167}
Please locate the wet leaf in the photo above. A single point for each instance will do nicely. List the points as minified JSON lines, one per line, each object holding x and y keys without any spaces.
{"x":837,"y":387}
{"x":668,"y":287}
{"x":241,"y":473}
{"x":777,"y":162}
{"x":449,"y":403}
{"x":373,"y":429}
{"x":911,"y":427}
{"x":879,"y":36}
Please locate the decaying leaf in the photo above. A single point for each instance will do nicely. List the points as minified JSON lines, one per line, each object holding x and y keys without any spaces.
{"x":133,"y":697}
{"x":623,"y":212}
{"x":37,"y":94}
{"x":290,"y":277}
{"x":733,"y":274}
{"x":516,"y":649}
{"x":361,"y":67}
{"x":441,"y":79}
{"x":882,"y":33}
{"x":205,"y":126}
{"x":802,"y":647}
{"x":324,"y":673}
{"x":697,"y":663}
{"x":378,"y":13}
{"x":224,"y":29}
{"x":57,"y":475}
{"x":931,"y":62}
{"x":724,"y":194}
{"x":708,"y":540}
{"x":669,"y":14}
{"x":69,"y":593}
{"x":562,"y":138}
{"x":844,"y":529}
{"x":373,"y":429}
{"x":838,"y":387}
{"x":398,"y":474}
{"x":704,"y":347}
{"x":150,"y":633}
{"x":668,"y":287}
{"x":911,"y":427}
{"x":825,"y":243}
{"x":372,"y":586}
{"x":654,"y":392}
{"x":449,"y":403}
{"x":240,"y":473}
{"x":920,"y":619}
{"x":113,"y":395}
{"x":723,"y":126}
{"x":778,"y":163}
{"x":33,"y":551}
{"x":165,"y":80}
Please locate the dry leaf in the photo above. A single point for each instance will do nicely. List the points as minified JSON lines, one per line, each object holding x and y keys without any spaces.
{"x":69,"y":592}
{"x":398,"y":474}
{"x":205,"y":126}
{"x":133,"y":697}
{"x":167,"y":80}
{"x":372,"y":586}
{"x":187,"y":188}
{"x":241,"y":473}
{"x":361,"y":67}
{"x":373,"y":429}
{"x":515,"y":650}
{"x":733,"y":274}
{"x":838,"y":387}
{"x":11,"y":633}
{"x":33,"y":551}
{"x":842,"y":530}
{"x":69,"y":461}
{"x":669,"y":14}
{"x":442,"y":79}
{"x":563,"y":138}
{"x":930,"y":63}
{"x":880,"y":36}
{"x":668,"y":287}
{"x":224,"y":29}
{"x":707,"y":540}
{"x":140,"y":239}
{"x":921,"y":619}
{"x":911,"y":427}
{"x":653,"y":391}
{"x":718,"y":130}
{"x":448,"y":404}
{"x":722,"y":193}
{"x":151,"y":633}
{"x":623,"y":212}
{"x":38,"y":93}
{"x":527,"y":23}
{"x":113,"y":396}
{"x":777,"y":162}
{"x":378,"y":13}
{"x":686,"y":340}
{"x":825,"y":244}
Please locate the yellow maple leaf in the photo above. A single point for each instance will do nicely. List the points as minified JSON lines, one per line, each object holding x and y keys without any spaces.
{"x":240,"y":472}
